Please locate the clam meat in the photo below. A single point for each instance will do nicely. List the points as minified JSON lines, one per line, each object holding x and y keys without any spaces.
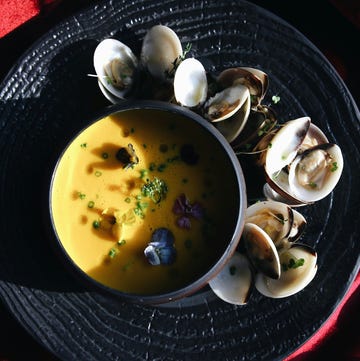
{"x":115,"y":66}
{"x":299,"y":266}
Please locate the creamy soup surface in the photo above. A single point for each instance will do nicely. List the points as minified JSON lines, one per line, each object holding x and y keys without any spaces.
{"x":120,"y":180}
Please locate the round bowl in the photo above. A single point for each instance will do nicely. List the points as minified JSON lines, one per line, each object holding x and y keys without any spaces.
{"x":147,"y":202}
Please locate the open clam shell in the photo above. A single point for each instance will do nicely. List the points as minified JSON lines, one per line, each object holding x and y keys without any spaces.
{"x":231,"y":127}
{"x":161,"y":49}
{"x":254,"y":79}
{"x":226,"y":103}
{"x":298,"y":270}
{"x":285,"y":144}
{"x":274,"y":218}
{"x":233,"y":283}
{"x":115,"y":66}
{"x":298,"y":226}
{"x":314,"y":173}
{"x":261,"y":250}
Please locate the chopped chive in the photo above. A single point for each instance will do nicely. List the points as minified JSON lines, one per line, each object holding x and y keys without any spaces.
{"x":121,"y":242}
{"x":112,"y":253}
{"x":105,"y":155}
{"x":292,"y":264}
{"x":91,"y":204}
{"x":143,"y":173}
{"x":96,"y":224}
{"x":334,"y":167}
{"x":81,"y":195}
{"x":98,"y":173}
{"x":83,"y":145}
{"x":127,"y":200}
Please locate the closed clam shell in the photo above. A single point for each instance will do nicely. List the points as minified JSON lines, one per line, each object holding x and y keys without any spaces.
{"x":190,"y":83}
{"x":161,"y":47}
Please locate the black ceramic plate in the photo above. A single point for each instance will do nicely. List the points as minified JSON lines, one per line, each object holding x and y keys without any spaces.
{"x":48,"y":96}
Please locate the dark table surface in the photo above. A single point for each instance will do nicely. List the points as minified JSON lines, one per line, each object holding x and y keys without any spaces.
{"x":334,"y":29}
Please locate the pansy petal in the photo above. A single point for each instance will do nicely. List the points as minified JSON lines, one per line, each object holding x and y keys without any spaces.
{"x":183,"y":222}
{"x":197,"y":211}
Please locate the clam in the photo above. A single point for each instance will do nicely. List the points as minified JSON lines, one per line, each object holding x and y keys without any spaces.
{"x":298,"y":270}
{"x":274,"y":218}
{"x":314,"y":137}
{"x":261,"y":250}
{"x":233,"y":283}
{"x":254,"y":79}
{"x":229,"y":110}
{"x":315,"y":172}
{"x":226,"y":103}
{"x":161,"y":51}
{"x":300,"y":166}
{"x":190,"y":83}
{"x":115,"y":66}
{"x":285,"y":144}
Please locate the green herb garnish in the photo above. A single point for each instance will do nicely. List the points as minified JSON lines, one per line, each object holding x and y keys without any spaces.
{"x":98,"y":173}
{"x":156,"y":190}
{"x":81,"y":195}
{"x":143,"y":173}
{"x":91,"y":204}
{"x":112,"y":253}
{"x":96,"y":224}
{"x":334,"y":167}
{"x":312,"y":185}
{"x":105,"y":155}
{"x":292,"y":264}
{"x":275,"y":99}
{"x":170,"y":73}
{"x":83,"y":145}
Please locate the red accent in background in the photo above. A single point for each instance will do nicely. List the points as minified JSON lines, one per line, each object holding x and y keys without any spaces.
{"x":14,"y":13}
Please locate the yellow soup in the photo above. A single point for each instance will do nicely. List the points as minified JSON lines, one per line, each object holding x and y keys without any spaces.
{"x":120,"y":180}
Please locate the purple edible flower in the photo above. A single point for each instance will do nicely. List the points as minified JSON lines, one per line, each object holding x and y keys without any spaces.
{"x":183,"y":208}
{"x":183,"y":222}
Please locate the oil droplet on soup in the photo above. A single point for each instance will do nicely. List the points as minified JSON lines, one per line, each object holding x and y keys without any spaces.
{"x":122,"y":178}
